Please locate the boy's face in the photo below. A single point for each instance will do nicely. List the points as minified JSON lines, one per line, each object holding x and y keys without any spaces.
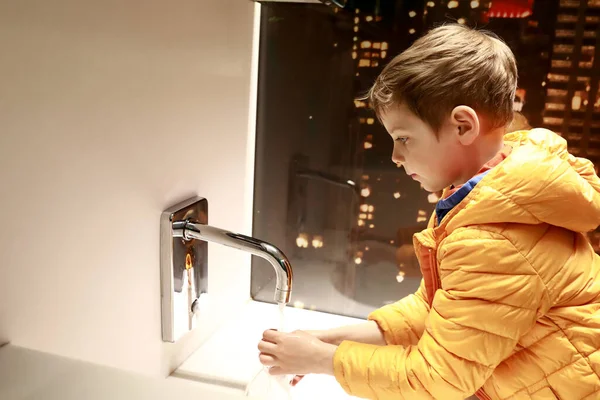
{"x":432,"y":161}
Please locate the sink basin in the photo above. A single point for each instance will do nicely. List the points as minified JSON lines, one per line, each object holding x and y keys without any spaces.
{"x":230,"y":356}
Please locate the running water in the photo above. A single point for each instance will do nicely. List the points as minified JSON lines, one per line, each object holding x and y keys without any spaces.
{"x":282,"y":326}
{"x":265,"y":386}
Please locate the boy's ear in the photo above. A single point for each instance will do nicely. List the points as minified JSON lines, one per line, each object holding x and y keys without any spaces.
{"x":466,"y":124}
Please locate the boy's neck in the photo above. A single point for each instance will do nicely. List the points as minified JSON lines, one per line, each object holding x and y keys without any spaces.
{"x":490,"y":144}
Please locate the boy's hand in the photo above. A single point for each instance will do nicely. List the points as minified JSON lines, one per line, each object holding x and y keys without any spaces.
{"x":295,"y":353}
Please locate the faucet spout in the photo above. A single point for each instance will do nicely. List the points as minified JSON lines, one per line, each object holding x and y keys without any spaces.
{"x":189,"y":230}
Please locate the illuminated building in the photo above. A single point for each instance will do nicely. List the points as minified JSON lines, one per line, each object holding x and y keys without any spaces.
{"x":572,"y":106}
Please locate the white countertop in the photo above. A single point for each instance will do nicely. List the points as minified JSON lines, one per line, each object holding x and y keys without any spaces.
{"x":31,"y":375}
{"x":230,"y":356}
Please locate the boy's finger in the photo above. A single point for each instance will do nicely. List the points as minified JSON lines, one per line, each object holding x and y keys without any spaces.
{"x":267,"y":360}
{"x":296,"y":379}
{"x":266,"y":347}
{"x":271,"y":335}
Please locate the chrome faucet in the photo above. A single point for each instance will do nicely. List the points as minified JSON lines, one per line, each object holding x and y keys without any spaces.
{"x":283,"y":269}
{"x":184,"y":264}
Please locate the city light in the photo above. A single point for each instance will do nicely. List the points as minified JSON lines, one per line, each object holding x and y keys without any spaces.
{"x":461,"y":21}
{"x":474,"y":4}
{"x":372,"y":226}
{"x":397,"y":195}
{"x":357,"y":260}
{"x":383,"y":54}
{"x":302,"y":240}
{"x":412,"y":14}
{"x":369,"y":18}
{"x":361,"y":222}
{"x":364,"y":207}
{"x":576,"y":102}
{"x":371,"y":209}
{"x":430,"y":4}
{"x":317,"y":242}
{"x":365,"y":44}
{"x":411,"y":31}
{"x":400,"y":277}
{"x":366,"y":192}
{"x":453,"y":4}
{"x":370,"y":121}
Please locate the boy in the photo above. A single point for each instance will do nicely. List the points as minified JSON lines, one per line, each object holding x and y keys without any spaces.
{"x":509,"y":305}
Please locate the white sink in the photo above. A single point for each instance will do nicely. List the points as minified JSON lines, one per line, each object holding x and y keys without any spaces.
{"x":230,"y":356}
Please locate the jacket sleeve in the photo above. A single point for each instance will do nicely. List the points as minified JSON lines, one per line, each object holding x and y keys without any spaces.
{"x":403,"y":322}
{"x":490,"y":298}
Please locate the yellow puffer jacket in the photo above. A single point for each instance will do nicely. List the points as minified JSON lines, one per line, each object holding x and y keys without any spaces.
{"x":510,"y":300}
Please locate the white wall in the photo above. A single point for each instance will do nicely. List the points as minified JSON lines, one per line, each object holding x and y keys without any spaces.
{"x":111,"y":111}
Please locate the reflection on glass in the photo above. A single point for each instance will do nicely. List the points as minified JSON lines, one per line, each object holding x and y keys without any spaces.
{"x":352,"y":249}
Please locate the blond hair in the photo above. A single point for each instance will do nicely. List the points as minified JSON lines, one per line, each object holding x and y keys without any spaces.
{"x":449,"y":66}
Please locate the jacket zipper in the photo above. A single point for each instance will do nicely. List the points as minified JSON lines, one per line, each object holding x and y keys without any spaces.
{"x":481,"y":394}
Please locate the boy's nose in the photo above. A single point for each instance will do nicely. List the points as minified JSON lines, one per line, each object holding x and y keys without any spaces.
{"x":397,"y":159}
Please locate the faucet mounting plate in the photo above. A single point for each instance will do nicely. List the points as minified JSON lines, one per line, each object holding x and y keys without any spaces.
{"x":184,"y":268}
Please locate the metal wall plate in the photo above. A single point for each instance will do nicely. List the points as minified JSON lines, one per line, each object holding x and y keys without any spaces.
{"x":180,"y":260}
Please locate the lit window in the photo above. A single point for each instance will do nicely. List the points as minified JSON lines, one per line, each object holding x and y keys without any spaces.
{"x":366,"y":192}
{"x":374,"y":63}
{"x":367,"y":54}
{"x":461,"y":21}
{"x":557,"y":92}
{"x":362,"y":120}
{"x":357,"y":260}
{"x":370,"y":217}
{"x":359,"y":104}
{"x":474,"y":4}
{"x":372,"y":226}
{"x":558,"y":78}
{"x":576,"y":102}
{"x":378,"y":18}
{"x":377,"y":45}
{"x":365,"y":177}
{"x":543,"y":83}
{"x":361,"y":222}
{"x":370,"y":121}
{"x":412,"y":14}
{"x":553,"y":121}
{"x":371,"y":209}
{"x":355,"y":38}
{"x":354,"y":47}
{"x":354,"y":55}
{"x":356,"y":20}
{"x":555,"y":106}
{"x":368,"y":145}
{"x":365,"y":44}
{"x":411,"y":31}
{"x":364,"y":62}
{"x":383,"y":54}
{"x":430,"y":4}
{"x":584,"y":79}
{"x":362,"y":216}
{"x":452,"y":4}
{"x":397,"y":195}
{"x":357,"y":11}
{"x":561,"y":63}
{"x":384,"y":46}
{"x":369,"y":18}
{"x":364,"y":207}
{"x":355,"y":28}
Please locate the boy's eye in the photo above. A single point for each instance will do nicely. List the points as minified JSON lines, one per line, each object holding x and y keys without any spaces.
{"x":402,"y":139}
